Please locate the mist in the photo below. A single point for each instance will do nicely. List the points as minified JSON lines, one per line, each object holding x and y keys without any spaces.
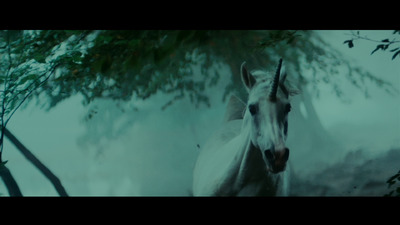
{"x":136,"y":148}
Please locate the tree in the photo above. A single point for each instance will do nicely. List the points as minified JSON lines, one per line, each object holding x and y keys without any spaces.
{"x":120,"y":64}
{"x":20,"y":76}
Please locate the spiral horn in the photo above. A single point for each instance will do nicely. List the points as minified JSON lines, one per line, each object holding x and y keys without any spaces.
{"x":275,"y":82}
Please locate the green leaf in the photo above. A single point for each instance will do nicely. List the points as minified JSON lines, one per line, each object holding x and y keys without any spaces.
{"x":134,"y":43}
{"x":107,"y":39}
{"x":396,"y":54}
{"x":392,"y":179}
{"x":39,"y":57}
{"x":349,"y":42}
{"x":183,"y":36}
{"x":394,"y":49}
{"x":76,"y":56}
{"x":27,"y":78}
{"x":161,"y":54}
{"x":377,"y":48}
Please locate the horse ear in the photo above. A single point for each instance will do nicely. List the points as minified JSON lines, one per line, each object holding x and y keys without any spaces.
{"x":247,"y":78}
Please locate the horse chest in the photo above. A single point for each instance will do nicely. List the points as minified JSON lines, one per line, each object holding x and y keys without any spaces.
{"x":244,"y":175}
{"x":253,"y":178}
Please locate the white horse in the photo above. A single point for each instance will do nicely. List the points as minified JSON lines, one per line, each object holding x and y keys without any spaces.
{"x":248,"y":155}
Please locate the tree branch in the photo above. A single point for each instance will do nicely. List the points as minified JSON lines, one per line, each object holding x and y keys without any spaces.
{"x":9,"y":181}
{"x":30,"y":92}
{"x":4,"y":98}
{"x":35,"y":161}
{"x":358,"y":36}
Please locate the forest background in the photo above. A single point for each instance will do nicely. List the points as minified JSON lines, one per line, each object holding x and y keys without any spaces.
{"x":123,"y":112}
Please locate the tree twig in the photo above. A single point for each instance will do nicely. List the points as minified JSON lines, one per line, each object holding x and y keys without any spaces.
{"x":358,"y":36}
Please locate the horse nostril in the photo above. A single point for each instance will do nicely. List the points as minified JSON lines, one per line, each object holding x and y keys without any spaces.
{"x":286,"y":154}
{"x":268,"y":154}
{"x":277,"y":159}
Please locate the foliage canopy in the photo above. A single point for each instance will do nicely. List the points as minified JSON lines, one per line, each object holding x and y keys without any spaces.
{"x":119,"y":64}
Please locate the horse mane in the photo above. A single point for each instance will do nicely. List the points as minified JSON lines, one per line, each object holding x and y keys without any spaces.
{"x":234,"y":109}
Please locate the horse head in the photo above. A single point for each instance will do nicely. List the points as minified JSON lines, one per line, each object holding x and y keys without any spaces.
{"x":266,"y":116}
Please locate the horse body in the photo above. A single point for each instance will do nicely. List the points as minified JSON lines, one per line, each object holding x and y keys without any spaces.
{"x":248,"y":155}
{"x":229,"y":165}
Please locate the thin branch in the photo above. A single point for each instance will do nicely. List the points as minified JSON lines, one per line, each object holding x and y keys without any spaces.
{"x":30,"y":92}
{"x":358,"y":36}
{"x":26,"y":89}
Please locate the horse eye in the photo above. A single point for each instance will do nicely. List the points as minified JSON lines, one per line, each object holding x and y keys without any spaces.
{"x":253,"y":108}
{"x":288,"y":108}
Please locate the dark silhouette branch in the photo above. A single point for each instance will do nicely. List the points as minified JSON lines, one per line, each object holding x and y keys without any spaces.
{"x":35,"y":161}
{"x":9,"y":181}
{"x":358,"y":36}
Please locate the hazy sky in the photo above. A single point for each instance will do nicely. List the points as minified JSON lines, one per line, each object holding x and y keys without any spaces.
{"x":379,"y":115}
{"x":147,"y":159}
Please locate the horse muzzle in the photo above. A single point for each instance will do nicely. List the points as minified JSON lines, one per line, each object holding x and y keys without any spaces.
{"x":277,"y":159}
